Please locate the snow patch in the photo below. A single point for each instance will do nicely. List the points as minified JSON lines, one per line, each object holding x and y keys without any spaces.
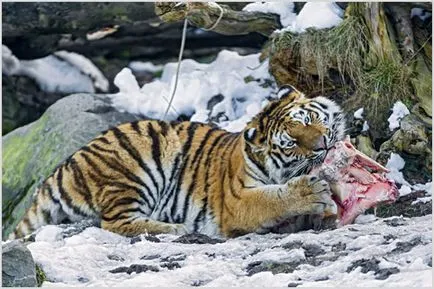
{"x":365,"y":126}
{"x":404,"y":190}
{"x":198,"y":84}
{"x":358,"y":114}
{"x":145,"y":66}
{"x":87,"y":67}
{"x":395,"y":164}
{"x":421,"y":13}
{"x":285,"y":9}
{"x":317,"y":15}
{"x":73,"y":72}
{"x":399,"y":110}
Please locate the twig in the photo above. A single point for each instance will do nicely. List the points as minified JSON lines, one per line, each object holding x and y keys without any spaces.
{"x":181,"y":51}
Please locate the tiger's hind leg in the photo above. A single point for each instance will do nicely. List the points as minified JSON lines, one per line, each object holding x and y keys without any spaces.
{"x":132,"y":225}
{"x":128,"y":218}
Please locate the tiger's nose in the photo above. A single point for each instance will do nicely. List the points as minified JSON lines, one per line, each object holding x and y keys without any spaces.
{"x":320,"y":144}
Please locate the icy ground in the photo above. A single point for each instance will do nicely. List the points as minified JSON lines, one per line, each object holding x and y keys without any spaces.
{"x":373,"y":252}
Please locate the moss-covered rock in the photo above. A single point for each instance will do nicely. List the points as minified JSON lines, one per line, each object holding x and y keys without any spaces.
{"x":30,"y":153}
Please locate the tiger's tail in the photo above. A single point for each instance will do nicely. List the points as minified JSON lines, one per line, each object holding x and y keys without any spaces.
{"x":44,"y":210}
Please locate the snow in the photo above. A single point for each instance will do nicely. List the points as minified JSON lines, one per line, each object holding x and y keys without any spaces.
{"x":358,"y":114}
{"x":73,"y":72}
{"x":198,"y":84}
{"x":317,"y":15}
{"x":399,"y":110}
{"x":395,"y":164}
{"x":365,"y":126}
{"x":82,"y":259}
{"x":145,"y":66}
{"x":421,"y":13}
{"x":87,"y":67}
{"x":283,"y":8}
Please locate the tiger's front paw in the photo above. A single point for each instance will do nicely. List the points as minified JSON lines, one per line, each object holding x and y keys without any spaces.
{"x":312,"y":195}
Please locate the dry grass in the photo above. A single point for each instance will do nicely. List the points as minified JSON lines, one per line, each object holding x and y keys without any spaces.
{"x":345,"y":48}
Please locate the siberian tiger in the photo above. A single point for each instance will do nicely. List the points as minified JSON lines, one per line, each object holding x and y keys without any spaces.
{"x":179,"y":177}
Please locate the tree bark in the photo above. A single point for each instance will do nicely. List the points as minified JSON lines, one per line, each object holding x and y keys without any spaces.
{"x":206,"y":15}
{"x":34,"y":30}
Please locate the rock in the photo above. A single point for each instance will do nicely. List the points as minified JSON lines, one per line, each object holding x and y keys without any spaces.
{"x":403,"y":206}
{"x":274,"y":267}
{"x":135,"y":239}
{"x":170,"y":265}
{"x":30,"y":153}
{"x":366,"y":264}
{"x":18,"y":267}
{"x":23,"y":102}
{"x":196,"y":238}
{"x":115,"y":257}
{"x":150,"y":257}
{"x":364,"y":144}
{"x":135,"y":268}
{"x":404,"y":247}
{"x":383,"y":274}
{"x":413,"y":143}
{"x":152,"y":238}
{"x":179,"y":257}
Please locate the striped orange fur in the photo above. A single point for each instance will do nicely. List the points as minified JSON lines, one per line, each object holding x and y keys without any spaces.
{"x":160,"y":177}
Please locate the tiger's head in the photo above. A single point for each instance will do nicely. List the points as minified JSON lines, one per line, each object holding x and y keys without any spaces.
{"x":291,"y":135}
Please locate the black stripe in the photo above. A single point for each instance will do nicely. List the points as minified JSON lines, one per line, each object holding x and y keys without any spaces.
{"x":123,"y":201}
{"x":116,"y":166}
{"x":231,"y":175}
{"x":164,"y":127}
{"x":81,"y":180}
{"x":127,"y":221}
{"x":50,"y":193}
{"x":172,"y":185}
{"x":46,"y":216}
{"x":323,"y":106}
{"x":64,"y":194}
{"x":276,"y":164}
{"x":125,"y":143}
{"x":199,"y":153}
{"x":156,"y":153}
{"x":135,"y":126}
{"x":103,"y":139}
{"x":107,"y":180}
{"x":201,"y":146}
{"x":118,"y":216}
{"x":256,"y":163}
{"x":225,"y":175}
{"x":208,"y":169}
{"x":256,"y":178}
{"x":190,"y":135}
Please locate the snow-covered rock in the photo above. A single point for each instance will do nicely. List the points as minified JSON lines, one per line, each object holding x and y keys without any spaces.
{"x":72,"y":72}
{"x":372,"y":253}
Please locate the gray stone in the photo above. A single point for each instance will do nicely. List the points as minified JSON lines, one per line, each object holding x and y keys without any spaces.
{"x":18,"y":267}
{"x":30,"y":153}
{"x":196,"y":238}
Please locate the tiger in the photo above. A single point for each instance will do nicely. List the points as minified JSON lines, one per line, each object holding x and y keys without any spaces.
{"x":179,"y":177}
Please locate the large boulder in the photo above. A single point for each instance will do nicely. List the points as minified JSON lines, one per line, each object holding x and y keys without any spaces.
{"x":30,"y":153}
{"x":18,"y":267}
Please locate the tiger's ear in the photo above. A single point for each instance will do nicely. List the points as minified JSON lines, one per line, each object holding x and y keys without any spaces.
{"x":253,"y":137}
{"x":289,"y":93}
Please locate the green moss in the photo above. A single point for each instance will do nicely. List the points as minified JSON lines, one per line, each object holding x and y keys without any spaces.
{"x":30,"y":153}
{"x":40,"y":275}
